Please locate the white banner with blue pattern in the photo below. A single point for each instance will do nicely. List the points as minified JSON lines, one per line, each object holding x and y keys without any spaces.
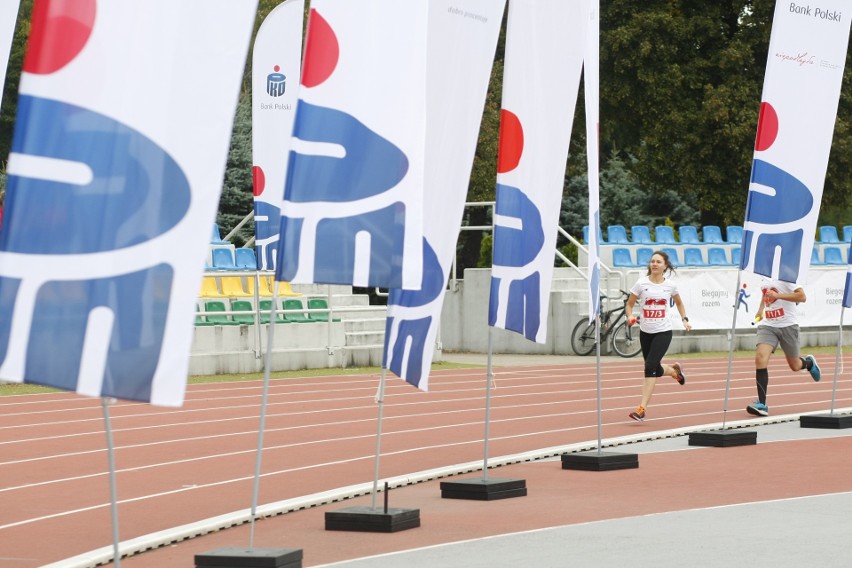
{"x":462,"y":40}
{"x":545,"y":43}
{"x":801,"y":89}
{"x":8,"y":17}
{"x":353,"y":201}
{"x":276,"y":69}
{"x":115,"y":172}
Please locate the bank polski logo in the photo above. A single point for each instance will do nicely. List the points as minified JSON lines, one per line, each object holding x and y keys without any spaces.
{"x":276,"y":82}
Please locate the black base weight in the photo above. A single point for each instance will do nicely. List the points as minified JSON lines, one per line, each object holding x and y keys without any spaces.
{"x":599,"y":461}
{"x":723,"y":438}
{"x":235,"y":557}
{"x":484,"y":489}
{"x":368,"y":519}
{"x":832,"y":421}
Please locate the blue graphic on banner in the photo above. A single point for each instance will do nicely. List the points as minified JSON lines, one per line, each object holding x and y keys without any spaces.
{"x":371,"y":166}
{"x":413,"y":330}
{"x":517,"y":248}
{"x":267,"y":225}
{"x":847,"y":291}
{"x":276,"y":84}
{"x":791,"y":202}
{"x":138,"y":192}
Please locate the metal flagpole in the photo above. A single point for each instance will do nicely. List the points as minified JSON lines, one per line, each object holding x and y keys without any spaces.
{"x":380,"y":400}
{"x":598,"y":366}
{"x":488,"y":377}
{"x":731,"y":351}
{"x":112,"y":491}
{"x":837,"y":360}
{"x":263,"y":404}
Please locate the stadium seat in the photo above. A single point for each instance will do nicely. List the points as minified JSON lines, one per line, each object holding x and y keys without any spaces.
{"x":245,"y":259}
{"x":617,"y":235}
{"x":586,"y":235}
{"x":665,"y":235}
{"x":735,"y":256}
{"x":713,"y":234}
{"x":832,"y":255}
{"x":199,"y":319}
{"x":735,"y":234}
{"x":215,"y":318}
{"x":717,"y":256}
{"x":643,"y":256}
{"x":223,"y":259}
{"x":815,"y":259}
{"x":246,"y":318}
{"x":689,"y":235}
{"x":622,"y":258}
{"x":263,"y":290}
{"x":847,"y":233}
{"x":209,"y":288}
{"x":319,"y":304}
{"x":674,"y":257}
{"x":641,"y":235}
{"x":294,"y":311}
{"x":828,"y":234}
{"x":232,"y":287}
{"x":216,"y":236}
{"x":692,"y":257}
{"x":265,"y":307}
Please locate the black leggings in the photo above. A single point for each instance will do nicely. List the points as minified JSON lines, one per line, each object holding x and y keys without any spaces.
{"x":654,"y":347}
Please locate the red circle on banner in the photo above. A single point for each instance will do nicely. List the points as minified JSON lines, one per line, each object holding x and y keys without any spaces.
{"x":258,"y":180}
{"x":511,"y":142}
{"x":767,"y":127}
{"x":321,"y":51}
{"x":59,"y":31}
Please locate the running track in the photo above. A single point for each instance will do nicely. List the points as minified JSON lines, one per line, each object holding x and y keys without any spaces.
{"x":179,"y":466}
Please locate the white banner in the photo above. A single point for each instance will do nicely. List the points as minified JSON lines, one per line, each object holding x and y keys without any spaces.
{"x":545,"y":43}
{"x":353,"y":202}
{"x":462,"y":40}
{"x":591,"y":82}
{"x":116,"y":167}
{"x":709,"y":296}
{"x":807,"y":55}
{"x":276,"y":71}
{"x":8,"y":18}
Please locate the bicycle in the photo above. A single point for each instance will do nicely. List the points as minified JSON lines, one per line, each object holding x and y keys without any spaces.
{"x":625,"y":340}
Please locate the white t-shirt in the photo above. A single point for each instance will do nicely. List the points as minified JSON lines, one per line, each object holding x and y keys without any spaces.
{"x":655,"y":304}
{"x":779,"y":313}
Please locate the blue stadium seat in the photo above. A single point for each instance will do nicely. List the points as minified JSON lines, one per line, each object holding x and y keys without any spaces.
{"x":616,"y":235}
{"x":674,"y":257}
{"x":735,"y":234}
{"x":689,"y":235}
{"x":586,"y":235}
{"x":622,"y":258}
{"x":641,"y":235}
{"x":828,"y":234}
{"x":735,"y":256}
{"x":847,"y":233}
{"x":815,"y":257}
{"x":665,"y":235}
{"x":713,"y":234}
{"x":643,"y":256}
{"x":717,"y":256}
{"x":223,"y":259}
{"x":692,"y":257}
{"x":245,"y":259}
{"x":833,"y":255}
{"x":216,"y":237}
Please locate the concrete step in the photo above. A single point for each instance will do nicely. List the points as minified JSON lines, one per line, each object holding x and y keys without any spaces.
{"x":364,"y":338}
{"x":365,"y":324}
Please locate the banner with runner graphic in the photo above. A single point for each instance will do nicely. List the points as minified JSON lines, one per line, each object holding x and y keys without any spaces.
{"x":462,"y":41}
{"x":545,"y":44}
{"x":591,"y":84}
{"x":8,"y":18}
{"x":353,"y":200}
{"x":116,"y":167}
{"x":276,"y":70}
{"x":801,"y":89}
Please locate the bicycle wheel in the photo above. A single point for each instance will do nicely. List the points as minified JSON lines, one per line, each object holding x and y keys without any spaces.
{"x":583,"y":337}
{"x":625,"y":341}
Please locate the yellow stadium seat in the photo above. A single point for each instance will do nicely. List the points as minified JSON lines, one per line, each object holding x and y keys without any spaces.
{"x":232,"y":286}
{"x":209,"y":288}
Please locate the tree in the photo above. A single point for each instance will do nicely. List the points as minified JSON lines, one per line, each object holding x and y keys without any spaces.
{"x":237,"y":196}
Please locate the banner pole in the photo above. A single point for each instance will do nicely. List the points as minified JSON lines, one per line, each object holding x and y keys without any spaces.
{"x":270,"y":335}
{"x":598,"y":367}
{"x":731,"y":350}
{"x":489,"y":376}
{"x":380,"y":400}
{"x":837,"y":359}
{"x":112,"y":483}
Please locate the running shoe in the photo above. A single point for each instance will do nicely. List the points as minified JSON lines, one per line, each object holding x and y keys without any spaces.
{"x":814,"y":370}
{"x":758,"y":409}
{"x":681,"y":376}
{"x":638,"y":414}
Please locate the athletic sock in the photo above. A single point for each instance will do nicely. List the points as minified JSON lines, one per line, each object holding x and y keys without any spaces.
{"x":762,"y":378}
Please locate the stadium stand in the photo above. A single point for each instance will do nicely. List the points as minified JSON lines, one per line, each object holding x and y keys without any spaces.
{"x":643,"y":256}
{"x":692,"y":257}
{"x":847,"y":233}
{"x":223,"y":259}
{"x":689,"y":235}
{"x":232,"y":287}
{"x":815,"y":259}
{"x":246,"y":318}
{"x":735,"y":234}
{"x":319,"y":304}
{"x":265,"y":307}
{"x":209,"y":288}
{"x":245,"y":259}
{"x":294,"y":311}
{"x":665,"y":235}
{"x":833,"y":256}
{"x":713,"y":235}
{"x":735,"y":256}
{"x":217,"y":318}
{"x":641,"y":235}
{"x":674,"y":256}
{"x":216,"y":236}
{"x":622,"y":258}
{"x":617,"y":235}
{"x":717,"y":256}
